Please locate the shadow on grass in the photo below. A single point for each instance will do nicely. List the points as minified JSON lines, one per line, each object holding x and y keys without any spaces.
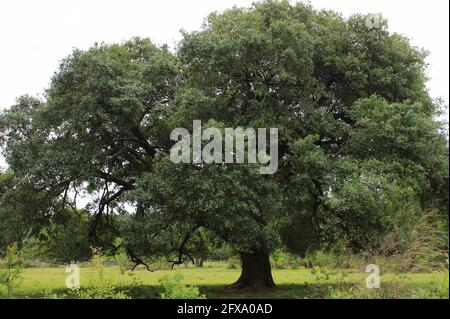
{"x":285,"y":291}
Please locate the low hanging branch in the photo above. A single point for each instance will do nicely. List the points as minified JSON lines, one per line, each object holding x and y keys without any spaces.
{"x":182,"y":252}
{"x":104,"y":202}
{"x":137,"y":261}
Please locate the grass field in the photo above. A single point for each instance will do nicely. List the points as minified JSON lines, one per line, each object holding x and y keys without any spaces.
{"x":298,"y":283}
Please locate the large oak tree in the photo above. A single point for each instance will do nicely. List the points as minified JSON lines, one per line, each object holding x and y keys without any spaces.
{"x":358,"y":137}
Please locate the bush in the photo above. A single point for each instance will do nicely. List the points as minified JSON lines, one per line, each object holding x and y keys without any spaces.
{"x":11,"y":268}
{"x":320,"y":259}
{"x":284,"y":260}
{"x":331,"y":283}
{"x":101,"y":289}
{"x":175,"y":289}
{"x":422,"y":248}
{"x":428,"y":245}
{"x":100,"y":292}
{"x":123,"y":261}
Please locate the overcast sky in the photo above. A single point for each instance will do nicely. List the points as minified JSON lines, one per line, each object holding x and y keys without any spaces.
{"x":36,"y":35}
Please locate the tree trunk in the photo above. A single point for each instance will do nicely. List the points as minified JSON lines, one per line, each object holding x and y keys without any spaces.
{"x":199,"y":262}
{"x":256,"y":272}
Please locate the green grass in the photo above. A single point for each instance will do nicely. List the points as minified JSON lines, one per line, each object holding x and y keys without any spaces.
{"x":298,"y":283}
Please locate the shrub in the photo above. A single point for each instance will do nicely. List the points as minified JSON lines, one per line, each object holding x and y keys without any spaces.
{"x":175,"y":289}
{"x":101,"y":289}
{"x":421,"y":248}
{"x":284,"y":260}
{"x":123,"y":261}
{"x":11,"y":268}
{"x":331,"y":283}
{"x":428,"y":245}
{"x":320,"y":259}
{"x":100,"y":292}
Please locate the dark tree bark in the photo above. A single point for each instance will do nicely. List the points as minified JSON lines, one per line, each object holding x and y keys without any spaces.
{"x":256,"y":271}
